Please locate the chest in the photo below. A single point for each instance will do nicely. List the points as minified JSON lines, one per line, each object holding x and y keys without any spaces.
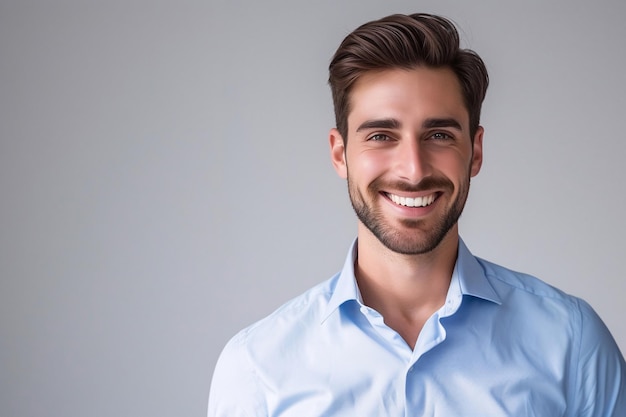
{"x":368,"y":374}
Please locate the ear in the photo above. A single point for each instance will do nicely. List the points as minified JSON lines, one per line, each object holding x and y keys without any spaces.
{"x":338,"y":153}
{"x":477,"y":154}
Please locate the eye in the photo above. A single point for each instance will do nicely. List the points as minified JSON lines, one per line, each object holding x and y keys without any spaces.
{"x":379,"y":137}
{"x":443,"y":136}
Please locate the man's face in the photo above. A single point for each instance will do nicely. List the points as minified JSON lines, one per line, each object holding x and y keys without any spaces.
{"x":409,"y":156}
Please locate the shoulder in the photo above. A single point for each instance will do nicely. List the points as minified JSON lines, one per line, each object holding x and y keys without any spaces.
{"x":507,"y":279}
{"x":596,"y":365}
{"x":285,"y":324}
{"x":306,"y":308}
{"x":238,"y":378}
{"x":524,"y":288}
{"x":554,"y":318}
{"x":526,"y":291}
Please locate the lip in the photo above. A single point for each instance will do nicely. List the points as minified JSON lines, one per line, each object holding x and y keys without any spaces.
{"x":414,"y":204}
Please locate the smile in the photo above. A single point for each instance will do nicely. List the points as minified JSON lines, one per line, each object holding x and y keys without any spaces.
{"x":424,"y":201}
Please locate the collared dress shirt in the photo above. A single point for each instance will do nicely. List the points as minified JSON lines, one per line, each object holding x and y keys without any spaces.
{"x":503,"y":344}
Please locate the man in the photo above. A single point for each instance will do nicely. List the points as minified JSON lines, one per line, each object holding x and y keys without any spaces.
{"x":414,"y":324}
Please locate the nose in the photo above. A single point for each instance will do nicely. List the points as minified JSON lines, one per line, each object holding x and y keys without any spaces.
{"x":412,"y":161}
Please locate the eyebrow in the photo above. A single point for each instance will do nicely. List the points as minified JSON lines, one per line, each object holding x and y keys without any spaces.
{"x":395,"y":124}
{"x":435,"y":123}
{"x":379,"y":124}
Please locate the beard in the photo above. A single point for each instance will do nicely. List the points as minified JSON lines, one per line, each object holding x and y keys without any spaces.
{"x":415,"y":236}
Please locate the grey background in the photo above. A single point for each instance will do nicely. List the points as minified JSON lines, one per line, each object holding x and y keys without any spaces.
{"x":165,"y":180}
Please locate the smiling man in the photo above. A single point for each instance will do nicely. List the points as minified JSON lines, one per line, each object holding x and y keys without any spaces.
{"x":414,"y":324}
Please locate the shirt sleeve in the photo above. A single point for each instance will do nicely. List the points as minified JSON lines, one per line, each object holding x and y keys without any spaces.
{"x":601,"y":379}
{"x":235,"y":389}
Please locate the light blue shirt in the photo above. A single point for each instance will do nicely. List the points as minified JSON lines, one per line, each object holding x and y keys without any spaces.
{"x":504,"y":344}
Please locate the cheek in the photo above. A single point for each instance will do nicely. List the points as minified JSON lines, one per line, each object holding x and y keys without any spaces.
{"x":455,"y":167}
{"x":368,"y":165}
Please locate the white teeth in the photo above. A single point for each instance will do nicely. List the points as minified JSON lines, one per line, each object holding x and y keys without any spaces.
{"x":413,"y":202}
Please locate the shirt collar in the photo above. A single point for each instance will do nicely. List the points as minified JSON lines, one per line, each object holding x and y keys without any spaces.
{"x":472,"y":278}
{"x":345,"y":288}
{"x":468,"y":275}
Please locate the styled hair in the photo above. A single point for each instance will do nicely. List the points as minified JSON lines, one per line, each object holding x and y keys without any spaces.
{"x":405,"y":41}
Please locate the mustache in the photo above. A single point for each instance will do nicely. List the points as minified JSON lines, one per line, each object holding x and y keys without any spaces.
{"x":425,"y":184}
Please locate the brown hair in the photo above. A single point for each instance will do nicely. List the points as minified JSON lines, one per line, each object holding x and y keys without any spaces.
{"x":405,"y":41}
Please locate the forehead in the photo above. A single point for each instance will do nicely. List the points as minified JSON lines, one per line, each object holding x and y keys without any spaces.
{"x":416,"y":93}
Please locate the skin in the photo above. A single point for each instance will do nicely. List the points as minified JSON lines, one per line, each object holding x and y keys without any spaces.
{"x":408,"y":136}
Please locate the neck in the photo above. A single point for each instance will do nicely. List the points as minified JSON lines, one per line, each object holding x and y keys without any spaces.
{"x":405,"y":289}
